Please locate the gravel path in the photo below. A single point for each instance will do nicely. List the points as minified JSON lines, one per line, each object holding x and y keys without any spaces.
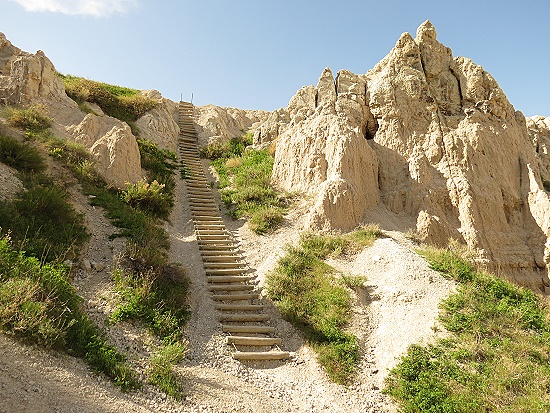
{"x":397,"y":308}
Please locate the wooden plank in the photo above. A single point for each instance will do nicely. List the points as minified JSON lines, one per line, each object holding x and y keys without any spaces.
{"x":253,"y":341}
{"x":226,"y":328}
{"x":243,"y":317}
{"x":239,"y":307}
{"x":229,"y":278}
{"x":235,"y":297}
{"x":260,"y":355}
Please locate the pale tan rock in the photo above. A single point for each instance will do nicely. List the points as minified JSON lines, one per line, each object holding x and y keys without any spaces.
{"x":117,"y":156}
{"x":430,"y":138}
{"x":30,"y":79}
{"x":10,"y":184}
{"x":160,"y":124}
{"x":539,"y":132}
{"x":26,"y":77}
{"x":215,"y":123}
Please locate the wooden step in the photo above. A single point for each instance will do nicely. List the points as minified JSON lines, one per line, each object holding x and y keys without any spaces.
{"x":253,"y":341}
{"x":227,"y":328}
{"x":260,"y":355}
{"x":235,"y":297}
{"x":211,"y":259}
{"x":220,"y":264}
{"x":243,"y":317}
{"x":229,"y":278}
{"x":225,"y":271}
{"x":232,"y":287}
{"x":239,"y":307}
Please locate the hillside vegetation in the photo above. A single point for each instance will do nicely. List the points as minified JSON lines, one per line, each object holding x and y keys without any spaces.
{"x":245,"y":183}
{"x":496,"y":357}
{"x":41,"y":220}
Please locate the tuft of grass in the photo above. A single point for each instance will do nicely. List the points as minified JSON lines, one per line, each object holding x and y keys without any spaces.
{"x":39,"y":305}
{"x":21,"y":156}
{"x":122,"y":103}
{"x":161,"y":372}
{"x":32,"y":119}
{"x":496,"y":357}
{"x":308,"y":294}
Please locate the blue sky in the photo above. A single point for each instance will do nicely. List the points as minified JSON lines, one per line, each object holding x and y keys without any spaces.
{"x":255,"y":54}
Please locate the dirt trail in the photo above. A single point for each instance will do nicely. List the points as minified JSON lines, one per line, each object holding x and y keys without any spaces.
{"x":398,"y":307}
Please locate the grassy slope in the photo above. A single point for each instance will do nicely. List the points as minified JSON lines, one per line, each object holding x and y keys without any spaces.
{"x":496,"y":357}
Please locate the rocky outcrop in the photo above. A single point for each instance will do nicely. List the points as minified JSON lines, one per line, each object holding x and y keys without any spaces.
{"x":26,"y":77}
{"x":539,"y":131}
{"x":215,"y":123}
{"x":427,"y":137}
{"x":30,"y":79}
{"x":160,"y":124}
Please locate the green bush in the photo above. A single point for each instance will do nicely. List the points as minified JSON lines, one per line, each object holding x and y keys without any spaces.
{"x":232,"y":148}
{"x":149,"y":198}
{"x":495,"y":357}
{"x":160,"y":164}
{"x":21,"y":156}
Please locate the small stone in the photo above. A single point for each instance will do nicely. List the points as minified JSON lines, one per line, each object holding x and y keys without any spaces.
{"x":86,"y":265}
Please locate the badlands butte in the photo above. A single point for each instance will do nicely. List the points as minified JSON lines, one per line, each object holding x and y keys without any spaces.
{"x":424,"y":142}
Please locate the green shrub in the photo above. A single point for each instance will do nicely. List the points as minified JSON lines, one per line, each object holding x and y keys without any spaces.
{"x":495,"y":357}
{"x":309,"y":295}
{"x":21,"y":156}
{"x":39,"y":305}
{"x":32,"y":120}
{"x":149,"y":198}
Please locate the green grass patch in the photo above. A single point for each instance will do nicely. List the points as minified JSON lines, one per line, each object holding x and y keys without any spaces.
{"x":161,"y":372}
{"x":496,"y":357}
{"x":150,"y":198}
{"x":310,"y":294}
{"x":39,"y":305}
{"x":32,"y":119}
{"x":154,"y":299}
{"x":245,"y":184}
{"x":122,"y":103}
{"x":43,"y":222}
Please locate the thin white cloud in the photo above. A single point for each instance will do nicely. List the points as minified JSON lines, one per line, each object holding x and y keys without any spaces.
{"x":96,"y":8}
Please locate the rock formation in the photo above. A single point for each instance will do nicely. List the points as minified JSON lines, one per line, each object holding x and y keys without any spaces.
{"x":30,"y":79}
{"x":539,"y":131}
{"x":422,"y":137}
{"x":215,"y":123}
{"x":160,"y":124}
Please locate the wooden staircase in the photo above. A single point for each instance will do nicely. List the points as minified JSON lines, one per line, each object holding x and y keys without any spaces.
{"x":231,"y":281}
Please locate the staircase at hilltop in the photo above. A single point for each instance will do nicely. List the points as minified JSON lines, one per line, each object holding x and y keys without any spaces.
{"x":232,"y":283}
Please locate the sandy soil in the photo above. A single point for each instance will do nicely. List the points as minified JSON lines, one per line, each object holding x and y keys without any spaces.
{"x":397,"y":307}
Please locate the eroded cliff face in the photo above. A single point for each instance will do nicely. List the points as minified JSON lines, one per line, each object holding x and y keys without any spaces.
{"x":30,"y":79}
{"x":425,"y":136}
